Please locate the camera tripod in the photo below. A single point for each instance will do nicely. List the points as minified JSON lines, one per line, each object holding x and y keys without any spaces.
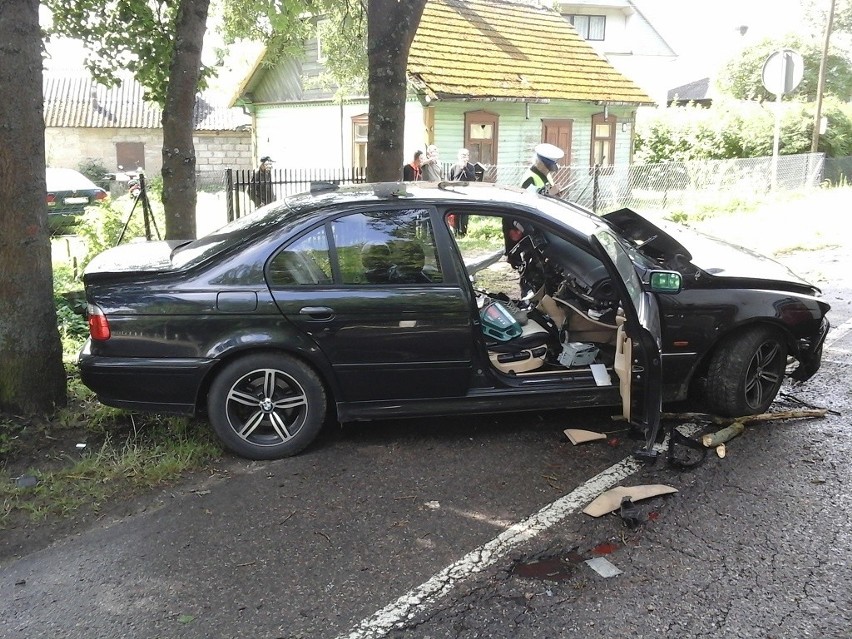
{"x":147,"y":215}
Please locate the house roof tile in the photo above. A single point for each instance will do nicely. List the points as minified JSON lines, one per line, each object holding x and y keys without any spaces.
{"x":76,"y":100}
{"x":504,"y":49}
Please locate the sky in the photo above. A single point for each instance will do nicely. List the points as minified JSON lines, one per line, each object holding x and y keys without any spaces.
{"x":706,"y":32}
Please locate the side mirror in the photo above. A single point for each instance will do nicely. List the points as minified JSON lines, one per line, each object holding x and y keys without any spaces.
{"x":666,"y":282}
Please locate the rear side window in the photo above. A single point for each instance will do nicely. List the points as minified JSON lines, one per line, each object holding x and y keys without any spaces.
{"x":305,"y":262}
{"x":387,"y":247}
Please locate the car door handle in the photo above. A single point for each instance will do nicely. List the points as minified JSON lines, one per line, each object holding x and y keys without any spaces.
{"x":317,"y":312}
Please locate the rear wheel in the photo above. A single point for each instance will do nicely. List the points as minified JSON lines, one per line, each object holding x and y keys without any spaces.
{"x":267,"y":406}
{"x":746,"y":372}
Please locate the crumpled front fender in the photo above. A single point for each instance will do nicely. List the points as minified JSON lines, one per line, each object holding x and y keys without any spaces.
{"x":810,"y":360}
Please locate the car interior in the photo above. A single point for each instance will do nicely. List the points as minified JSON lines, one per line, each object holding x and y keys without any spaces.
{"x":545,"y":305}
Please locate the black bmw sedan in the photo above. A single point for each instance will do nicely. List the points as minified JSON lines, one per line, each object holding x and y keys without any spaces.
{"x":361,"y":303}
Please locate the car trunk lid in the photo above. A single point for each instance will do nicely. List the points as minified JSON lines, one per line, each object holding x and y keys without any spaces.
{"x":136,"y":257}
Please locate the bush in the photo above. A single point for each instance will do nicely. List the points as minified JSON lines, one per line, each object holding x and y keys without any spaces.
{"x":731,"y":129}
{"x":95,"y":170}
{"x":101,"y":226}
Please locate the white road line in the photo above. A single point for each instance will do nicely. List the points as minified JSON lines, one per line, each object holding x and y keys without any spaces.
{"x":421,"y":597}
{"x":838,"y":332}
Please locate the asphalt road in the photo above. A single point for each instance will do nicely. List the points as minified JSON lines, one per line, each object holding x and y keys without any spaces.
{"x":472,"y":528}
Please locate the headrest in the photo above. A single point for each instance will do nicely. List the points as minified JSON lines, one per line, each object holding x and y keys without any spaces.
{"x":375,"y":255}
{"x":408,"y":255}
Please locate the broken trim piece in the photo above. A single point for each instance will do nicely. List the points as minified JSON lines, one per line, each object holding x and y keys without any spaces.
{"x":580,"y":436}
{"x":611,"y":499}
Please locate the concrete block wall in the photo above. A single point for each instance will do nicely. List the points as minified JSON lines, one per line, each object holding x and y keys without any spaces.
{"x":214,"y":150}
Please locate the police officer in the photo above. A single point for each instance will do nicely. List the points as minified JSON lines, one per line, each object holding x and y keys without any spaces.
{"x":539,"y":176}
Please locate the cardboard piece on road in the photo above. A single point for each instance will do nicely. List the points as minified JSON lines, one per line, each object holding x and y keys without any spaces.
{"x":603,"y":567}
{"x":611,"y":500}
{"x":579,"y":436}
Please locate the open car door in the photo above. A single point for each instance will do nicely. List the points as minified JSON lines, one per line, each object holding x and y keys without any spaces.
{"x":637,"y":360}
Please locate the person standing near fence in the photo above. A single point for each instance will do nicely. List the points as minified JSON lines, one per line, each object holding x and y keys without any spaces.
{"x":539,"y":177}
{"x":431,"y":166}
{"x":462,"y":171}
{"x":260,"y":189}
{"x":411,"y":172}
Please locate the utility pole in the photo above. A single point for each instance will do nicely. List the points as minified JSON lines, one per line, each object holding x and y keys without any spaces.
{"x":821,"y":82}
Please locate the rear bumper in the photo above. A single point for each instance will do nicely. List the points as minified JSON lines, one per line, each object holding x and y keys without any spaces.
{"x":151,"y":385}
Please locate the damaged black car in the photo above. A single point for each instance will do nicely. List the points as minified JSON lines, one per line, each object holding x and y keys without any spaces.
{"x":358,"y":303}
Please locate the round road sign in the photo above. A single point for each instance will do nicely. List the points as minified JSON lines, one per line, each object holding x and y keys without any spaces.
{"x":783,"y":71}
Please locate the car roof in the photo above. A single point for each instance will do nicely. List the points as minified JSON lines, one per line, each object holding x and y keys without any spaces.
{"x":61,"y":178}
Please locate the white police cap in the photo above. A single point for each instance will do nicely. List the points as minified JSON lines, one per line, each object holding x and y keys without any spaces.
{"x":549,"y":152}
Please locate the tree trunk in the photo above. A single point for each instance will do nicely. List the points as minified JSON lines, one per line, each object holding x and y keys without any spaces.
{"x":179,"y":195}
{"x":391,"y":26}
{"x":32,"y":377}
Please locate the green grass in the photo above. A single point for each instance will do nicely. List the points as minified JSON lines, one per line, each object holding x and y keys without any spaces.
{"x":125,"y":454}
{"x":120,"y":466}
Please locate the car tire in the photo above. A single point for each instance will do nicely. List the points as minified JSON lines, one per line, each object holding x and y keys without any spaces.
{"x":266,"y":406}
{"x":746,"y":372}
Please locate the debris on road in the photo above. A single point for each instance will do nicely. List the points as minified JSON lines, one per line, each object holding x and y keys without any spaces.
{"x":737,"y":426}
{"x":610,"y":500}
{"x":603,"y":567}
{"x":630,"y":513}
{"x":745,"y":419}
{"x":580,"y":436}
{"x":712,"y":440}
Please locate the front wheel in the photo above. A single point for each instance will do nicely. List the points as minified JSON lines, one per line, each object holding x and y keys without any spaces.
{"x":267,"y":406}
{"x":746,"y":372}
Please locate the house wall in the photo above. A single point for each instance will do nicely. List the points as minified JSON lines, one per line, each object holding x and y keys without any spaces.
{"x":319,"y":136}
{"x":520,"y":129}
{"x":219,"y":150}
{"x":215,"y":150}
{"x":68,"y":147}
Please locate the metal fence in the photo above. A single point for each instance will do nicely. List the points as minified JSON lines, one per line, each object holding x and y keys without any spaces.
{"x":239,"y":185}
{"x":675,"y":184}
{"x":643,"y":187}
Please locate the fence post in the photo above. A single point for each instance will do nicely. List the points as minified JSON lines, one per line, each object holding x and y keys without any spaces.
{"x":595,"y":187}
{"x":229,"y":195}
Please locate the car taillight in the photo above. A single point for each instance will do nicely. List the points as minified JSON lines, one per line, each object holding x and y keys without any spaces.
{"x":98,"y":323}
{"x":100,"y":196}
{"x":51,"y":199}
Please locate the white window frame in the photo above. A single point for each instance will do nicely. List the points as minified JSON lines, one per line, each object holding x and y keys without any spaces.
{"x":584,"y":24}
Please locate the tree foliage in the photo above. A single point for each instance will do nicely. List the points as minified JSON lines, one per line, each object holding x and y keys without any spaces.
{"x":160,"y":42}
{"x":138,"y":36}
{"x":816,"y":16}
{"x":731,"y":129}
{"x":742,"y":76}
{"x":283,"y":28}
